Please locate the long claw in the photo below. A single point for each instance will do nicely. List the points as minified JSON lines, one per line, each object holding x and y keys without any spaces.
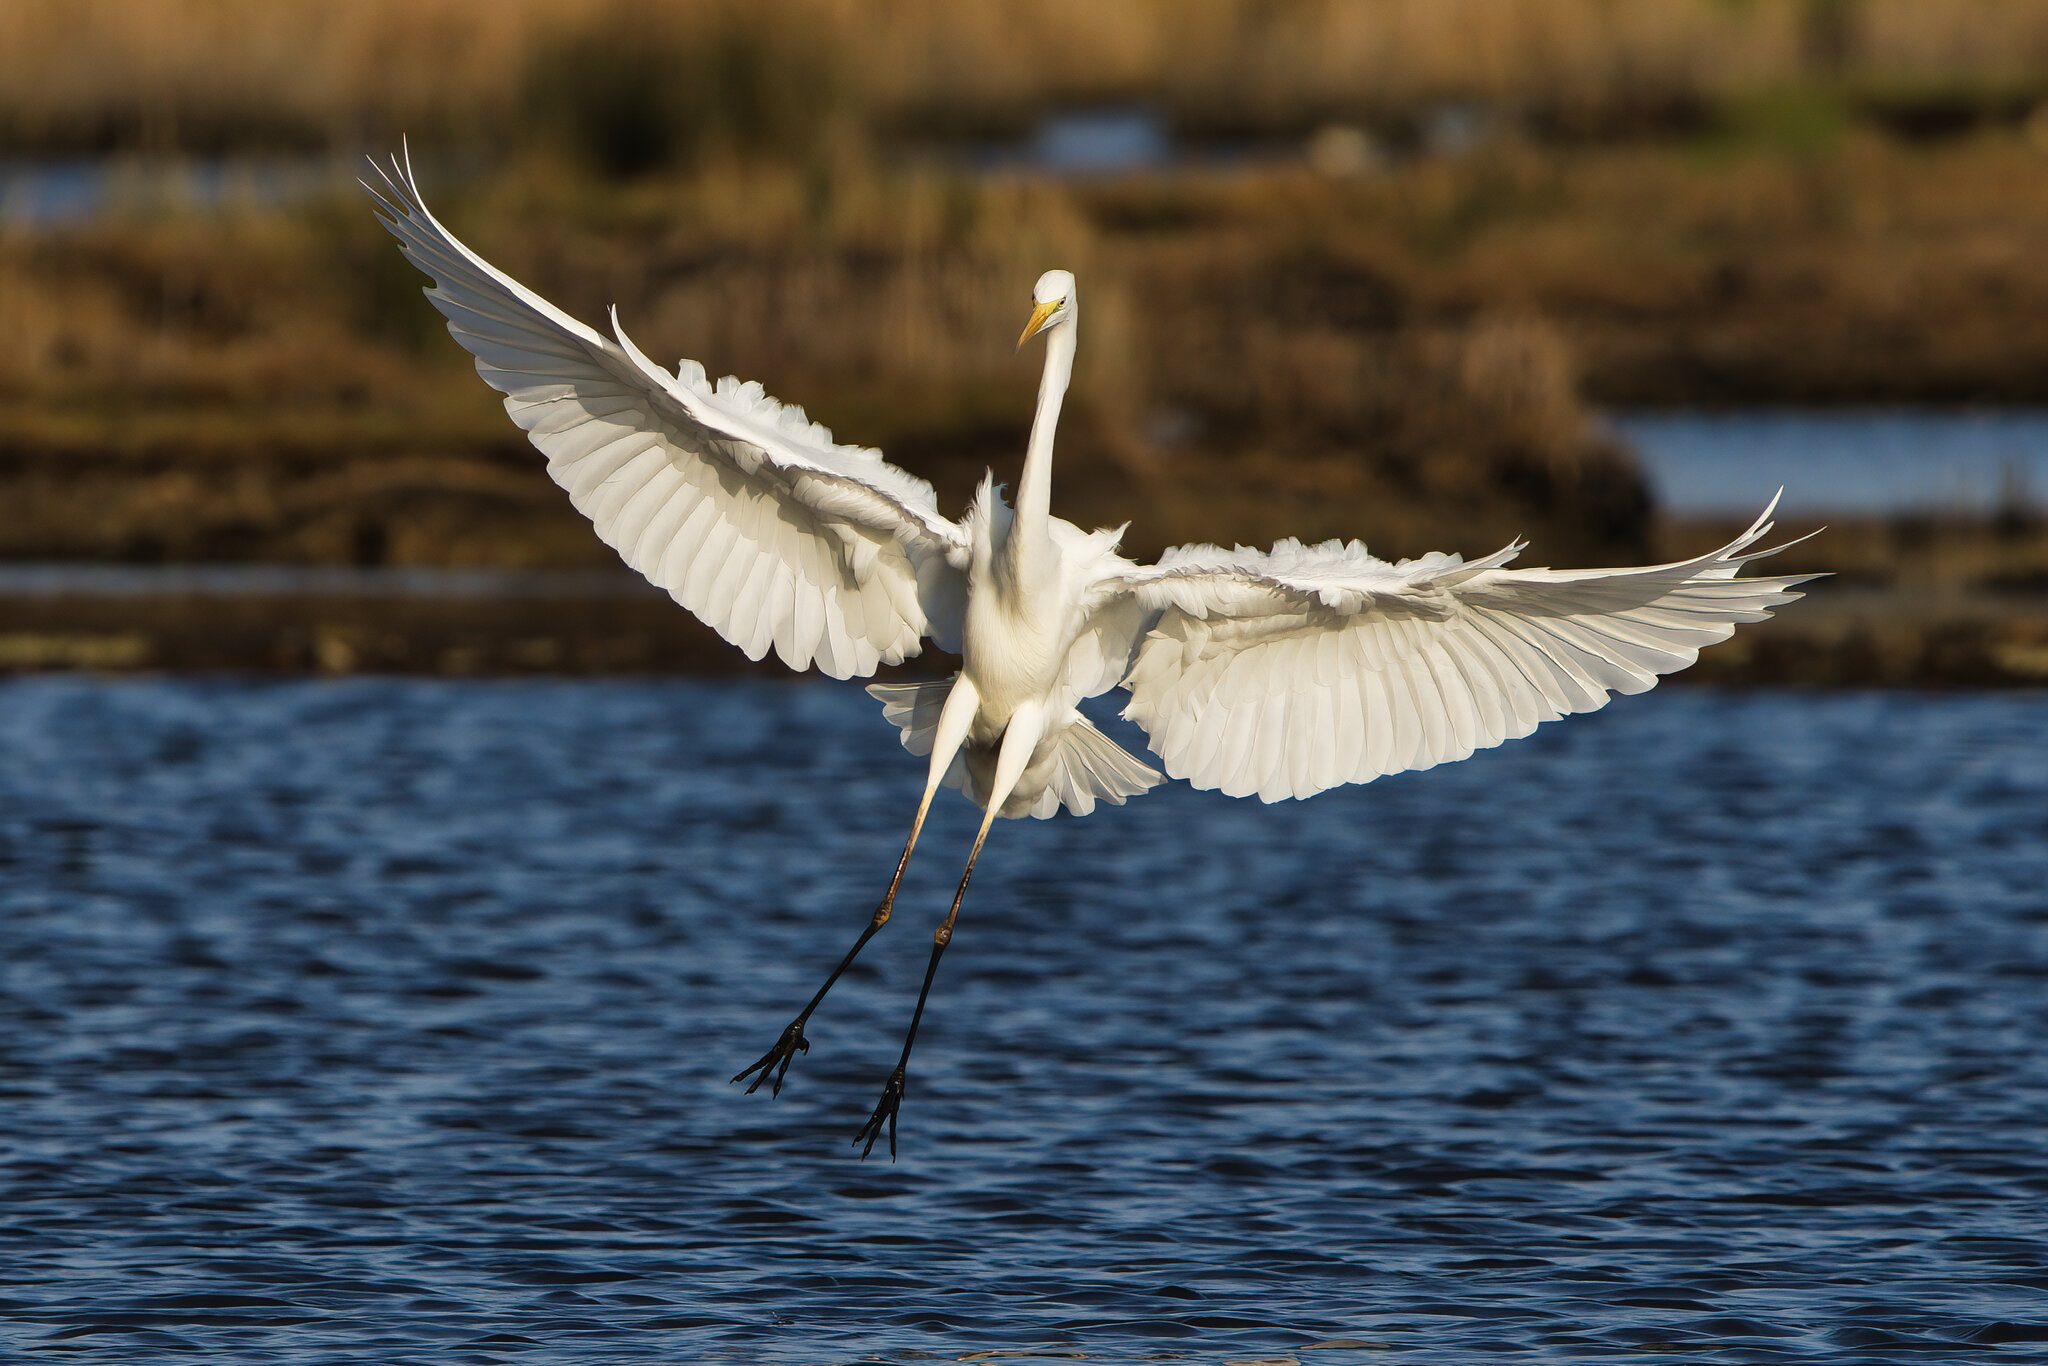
{"x":786,"y":1048}
{"x":885,"y":1109}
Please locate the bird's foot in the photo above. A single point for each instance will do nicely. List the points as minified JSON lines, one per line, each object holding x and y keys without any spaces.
{"x":885,"y":1112}
{"x":773,"y":1065}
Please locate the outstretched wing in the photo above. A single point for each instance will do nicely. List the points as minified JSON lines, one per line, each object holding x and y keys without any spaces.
{"x":743,"y":509}
{"x":1287,"y":672}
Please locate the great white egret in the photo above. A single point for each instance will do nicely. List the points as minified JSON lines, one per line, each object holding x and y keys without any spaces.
{"x":1273,"y":673}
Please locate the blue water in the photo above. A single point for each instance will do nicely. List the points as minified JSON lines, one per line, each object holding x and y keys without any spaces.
{"x":1107,"y":141}
{"x":389,"y":1022}
{"x":39,"y":195}
{"x":1870,"y":462}
{"x":1100,"y":142}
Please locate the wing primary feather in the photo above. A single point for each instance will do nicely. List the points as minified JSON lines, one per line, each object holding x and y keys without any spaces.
{"x":644,"y":453}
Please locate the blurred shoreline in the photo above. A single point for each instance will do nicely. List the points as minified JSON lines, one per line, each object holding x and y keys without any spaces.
{"x":1870,"y":626}
{"x":1371,"y":271}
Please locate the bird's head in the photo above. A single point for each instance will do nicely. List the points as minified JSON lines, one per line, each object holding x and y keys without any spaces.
{"x":1052,"y":304}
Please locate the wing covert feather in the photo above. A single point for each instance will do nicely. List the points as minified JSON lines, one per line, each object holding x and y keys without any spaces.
{"x":1287,"y":672}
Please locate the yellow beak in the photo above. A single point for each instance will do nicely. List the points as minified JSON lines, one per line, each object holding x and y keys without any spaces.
{"x":1040,"y":316}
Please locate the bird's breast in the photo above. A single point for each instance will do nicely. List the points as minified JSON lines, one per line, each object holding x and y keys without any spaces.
{"x":1012,"y":651}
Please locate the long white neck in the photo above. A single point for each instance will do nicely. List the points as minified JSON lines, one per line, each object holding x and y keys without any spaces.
{"x":1028,"y":533}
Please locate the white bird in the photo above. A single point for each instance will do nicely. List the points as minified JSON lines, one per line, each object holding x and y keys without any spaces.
{"x":1276,"y":673}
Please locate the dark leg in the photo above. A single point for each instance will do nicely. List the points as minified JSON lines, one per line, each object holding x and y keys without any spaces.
{"x":892,"y":1090}
{"x":773,"y":1065}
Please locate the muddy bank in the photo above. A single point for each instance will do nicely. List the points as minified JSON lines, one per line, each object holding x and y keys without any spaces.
{"x":1857,"y":648}
{"x":601,"y":623}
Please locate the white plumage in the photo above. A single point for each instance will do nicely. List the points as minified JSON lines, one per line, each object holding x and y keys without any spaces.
{"x":1285,"y":673}
{"x":1277,"y":673}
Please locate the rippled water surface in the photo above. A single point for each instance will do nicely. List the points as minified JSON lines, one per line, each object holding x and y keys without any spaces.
{"x":390,"y":1022}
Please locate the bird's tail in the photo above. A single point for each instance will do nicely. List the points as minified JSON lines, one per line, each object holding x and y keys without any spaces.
{"x":1075,"y":768}
{"x":914,"y":709}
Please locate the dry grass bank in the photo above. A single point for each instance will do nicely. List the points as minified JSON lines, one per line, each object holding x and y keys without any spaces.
{"x":1405,"y":356}
{"x":270,"y":385}
{"x":650,"y":81}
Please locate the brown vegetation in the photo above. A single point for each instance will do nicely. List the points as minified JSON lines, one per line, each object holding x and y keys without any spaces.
{"x":200,"y":73}
{"x":1401,"y":356}
{"x":1693,"y":201}
{"x":270,"y":386}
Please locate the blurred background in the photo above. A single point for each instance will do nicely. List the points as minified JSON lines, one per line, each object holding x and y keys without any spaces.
{"x":1432,"y":272}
